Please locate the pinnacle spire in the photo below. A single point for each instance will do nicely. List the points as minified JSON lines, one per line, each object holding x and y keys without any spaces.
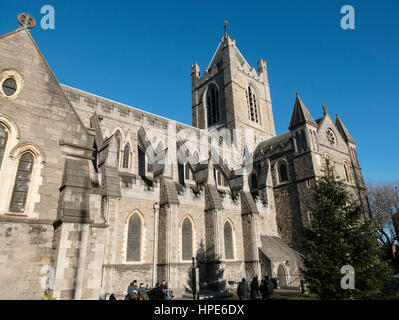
{"x":301,"y":114}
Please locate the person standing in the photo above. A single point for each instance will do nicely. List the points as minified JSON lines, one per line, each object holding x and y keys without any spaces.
{"x":143,"y":292}
{"x":165,"y":290}
{"x":132,"y":291}
{"x":243,"y":290}
{"x":254,"y":288}
{"x":267,"y":289}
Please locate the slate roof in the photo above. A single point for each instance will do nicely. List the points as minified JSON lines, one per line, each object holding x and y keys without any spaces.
{"x":248,"y":203}
{"x":265,"y":145}
{"x":212,"y":198}
{"x":277,"y":250}
{"x":168,"y":191}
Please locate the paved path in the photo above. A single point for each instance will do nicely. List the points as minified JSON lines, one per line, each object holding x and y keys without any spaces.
{"x":280,"y":294}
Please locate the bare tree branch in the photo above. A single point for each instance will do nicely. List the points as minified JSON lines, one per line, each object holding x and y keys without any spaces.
{"x":384,"y":204}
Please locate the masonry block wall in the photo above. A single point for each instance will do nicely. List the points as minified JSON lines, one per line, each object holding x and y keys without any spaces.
{"x":70,"y":239}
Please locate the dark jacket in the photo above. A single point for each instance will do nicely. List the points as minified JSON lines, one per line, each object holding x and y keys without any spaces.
{"x":243,"y":291}
{"x":142,"y":290}
{"x":266,"y":288}
{"x":130,"y":291}
{"x":164,"y":287}
{"x":254,"y":288}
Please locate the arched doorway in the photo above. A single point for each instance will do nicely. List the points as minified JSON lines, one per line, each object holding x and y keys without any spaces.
{"x":282,"y":275}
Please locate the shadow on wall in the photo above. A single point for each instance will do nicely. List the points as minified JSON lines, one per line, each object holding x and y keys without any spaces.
{"x":210,"y":273}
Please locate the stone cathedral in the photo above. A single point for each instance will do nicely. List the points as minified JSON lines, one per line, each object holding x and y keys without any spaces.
{"x":93,"y":194}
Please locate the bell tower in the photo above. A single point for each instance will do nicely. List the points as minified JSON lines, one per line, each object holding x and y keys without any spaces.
{"x":232,"y":94}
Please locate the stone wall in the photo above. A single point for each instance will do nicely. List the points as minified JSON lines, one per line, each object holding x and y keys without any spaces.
{"x":26,"y":256}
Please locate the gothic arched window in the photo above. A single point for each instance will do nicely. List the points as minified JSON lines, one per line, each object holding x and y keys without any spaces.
{"x":3,"y":142}
{"x":228,"y":241}
{"x":141,"y":159}
{"x":328,"y":160}
{"x":252,"y":105}
{"x":22,"y":182}
{"x":254,"y":185}
{"x":212,"y":102}
{"x":187,"y":240}
{"x":348,"y":175}
{"x":160,"y":153}
{"x":133,"y":252}
{"x":180,"y":169}
{"x":220,"y":178}
{"x":118,"y":139}
{"x":283,"y":172}
{"x":126,"y":157}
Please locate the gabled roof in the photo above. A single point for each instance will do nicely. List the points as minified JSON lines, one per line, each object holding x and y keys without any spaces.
{"x":217,"y":57}
{"x":277,"y":250}
{"x":265,"y":145}
{"x":344,"y":132}
{"x":301,"y":115}
{"x":29,"y":36}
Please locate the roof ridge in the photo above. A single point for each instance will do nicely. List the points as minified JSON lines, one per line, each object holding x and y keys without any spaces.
{"x":11,"y":32}
{"x":140,"y":110}
{"x":343,"y":130}
{"x":55,"y":79}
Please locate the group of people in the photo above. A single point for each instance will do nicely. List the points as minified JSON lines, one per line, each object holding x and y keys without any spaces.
{"x":160,"y":291}
{"x":246,"y":292}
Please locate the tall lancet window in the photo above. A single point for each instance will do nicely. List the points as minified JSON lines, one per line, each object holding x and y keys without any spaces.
{"x":187,"y":239}
{"x":22,"y":182}
{"x":126,"y":157}
{"x":142,"y":164}
{"x":118,"y":138}
{"x":133,"y":253}
{"x":212,"y":102}
{"x":253,"y":111}
{"x":228,"y":241}
{"x":3,"y":142}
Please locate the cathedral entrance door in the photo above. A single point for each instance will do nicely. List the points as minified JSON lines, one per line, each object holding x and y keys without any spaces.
{"x":282,"y":275}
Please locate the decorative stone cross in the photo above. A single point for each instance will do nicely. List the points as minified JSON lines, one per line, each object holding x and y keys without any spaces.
{"x":26,"y":20}
{"x":226,"y":22}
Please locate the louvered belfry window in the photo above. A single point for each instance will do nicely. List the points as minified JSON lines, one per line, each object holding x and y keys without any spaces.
{"x":3,"y":142}
{"x":187,"y":240}
{"x":212,"y":101}
{"x":283,"y":173}
{"x":228,"y":241}
{"x":252,"y":105}
{"x":134,"y":239}
{"x":22,"y":181}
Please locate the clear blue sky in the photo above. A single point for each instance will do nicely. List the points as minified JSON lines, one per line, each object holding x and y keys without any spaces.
{"x":140,"y":53}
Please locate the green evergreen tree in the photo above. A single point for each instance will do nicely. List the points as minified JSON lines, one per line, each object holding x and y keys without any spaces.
{"x":341,"y":236}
